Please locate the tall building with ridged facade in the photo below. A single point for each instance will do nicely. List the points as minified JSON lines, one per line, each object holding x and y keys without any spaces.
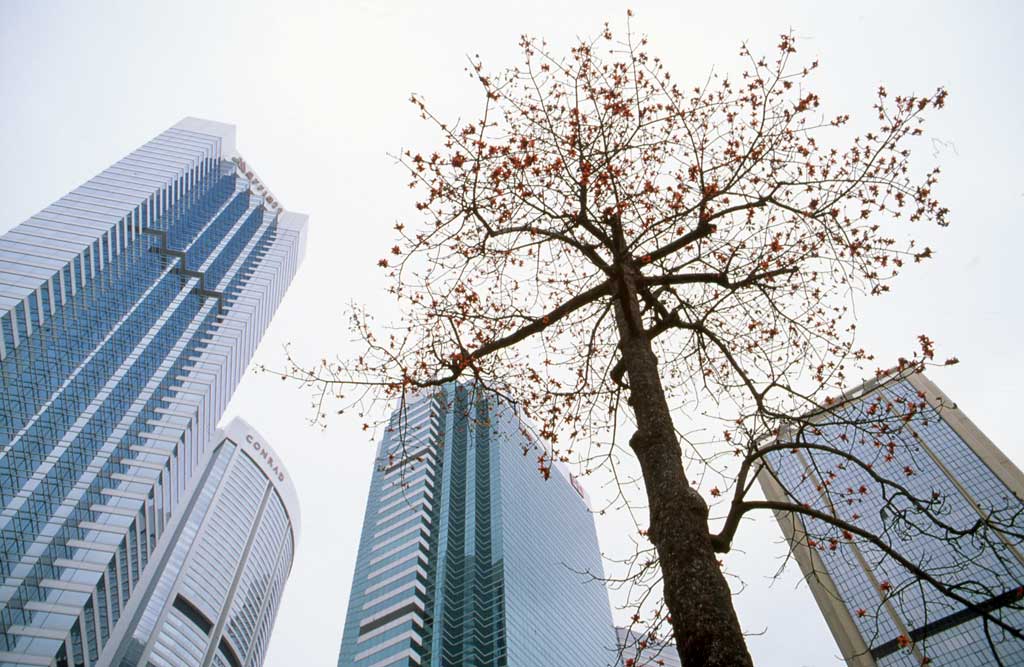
{"x":129,"y":310}
{"x":468,"y":555}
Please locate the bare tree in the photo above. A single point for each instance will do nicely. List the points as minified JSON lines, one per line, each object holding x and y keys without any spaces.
{"x":603,"y":242}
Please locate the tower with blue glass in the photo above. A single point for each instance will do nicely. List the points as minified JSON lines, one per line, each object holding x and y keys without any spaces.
{"x":129,"y":310}
{"x":903,"y":428}
{"x":468,"y":555}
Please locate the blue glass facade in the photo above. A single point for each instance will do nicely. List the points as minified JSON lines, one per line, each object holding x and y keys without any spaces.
{"x":468,"y":556}
{"x":129,"y":309}
{"x":907,"y":431}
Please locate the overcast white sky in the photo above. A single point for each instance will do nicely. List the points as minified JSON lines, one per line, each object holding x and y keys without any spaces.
{"x":318,"y":92}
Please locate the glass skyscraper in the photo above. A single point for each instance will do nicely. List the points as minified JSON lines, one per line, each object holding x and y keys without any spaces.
{"x":643,"y":652}
{"x":468,"y":556}
{"x":214,"y":598}
{"x":129,"y":309}
{"x":904,"y":428}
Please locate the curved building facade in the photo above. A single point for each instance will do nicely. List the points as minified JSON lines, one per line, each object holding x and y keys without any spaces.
{"x":214,"y":599}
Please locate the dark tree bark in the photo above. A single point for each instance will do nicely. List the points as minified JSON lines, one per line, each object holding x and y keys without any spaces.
{"x":703,"y":621}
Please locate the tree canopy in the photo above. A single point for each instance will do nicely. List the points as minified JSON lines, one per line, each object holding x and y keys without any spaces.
{"x":613,"y":249}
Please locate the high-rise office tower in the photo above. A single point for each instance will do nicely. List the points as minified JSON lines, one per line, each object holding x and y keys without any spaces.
{"x":213,"y":599}
{"x":129,"y":309}
{"x":904,"y":429}
{"x":468,"y":556}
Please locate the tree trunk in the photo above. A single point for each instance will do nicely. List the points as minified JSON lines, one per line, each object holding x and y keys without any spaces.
{"x":698,"y":598}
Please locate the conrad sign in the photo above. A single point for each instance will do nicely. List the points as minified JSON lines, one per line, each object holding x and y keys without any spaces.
{"x":261,"y":188}
{"x":264,"y":453}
